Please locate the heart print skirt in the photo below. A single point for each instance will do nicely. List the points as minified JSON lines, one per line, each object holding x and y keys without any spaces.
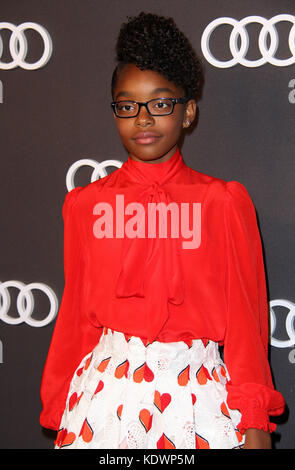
{"x":129,"y":395}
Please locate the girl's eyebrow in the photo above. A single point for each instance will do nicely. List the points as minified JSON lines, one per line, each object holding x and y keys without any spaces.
{"x":155,"y":91}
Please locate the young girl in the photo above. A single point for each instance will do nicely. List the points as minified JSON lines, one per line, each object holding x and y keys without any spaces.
{"x":134,"y":360}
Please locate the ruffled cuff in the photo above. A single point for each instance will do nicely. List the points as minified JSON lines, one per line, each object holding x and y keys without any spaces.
{"x":255,"y":403}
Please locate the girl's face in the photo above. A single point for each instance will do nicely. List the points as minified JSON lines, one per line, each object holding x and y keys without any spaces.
{"x":164,"y":131}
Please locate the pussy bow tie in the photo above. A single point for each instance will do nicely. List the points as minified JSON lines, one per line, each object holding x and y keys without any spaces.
{"x":154,"y":259}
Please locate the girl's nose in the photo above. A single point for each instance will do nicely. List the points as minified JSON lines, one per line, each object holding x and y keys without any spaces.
{"x":144,"y":118}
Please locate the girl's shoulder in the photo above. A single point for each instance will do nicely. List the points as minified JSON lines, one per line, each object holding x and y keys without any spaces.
{"x":90,"y":190}
{"x":219,"y":189}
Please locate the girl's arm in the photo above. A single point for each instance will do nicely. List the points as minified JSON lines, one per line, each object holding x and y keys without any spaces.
{"x":73,"y":336}
{"x":257,"y":439}
{"x":250,"y":389}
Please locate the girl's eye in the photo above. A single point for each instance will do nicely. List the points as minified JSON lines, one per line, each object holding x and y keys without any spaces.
{"x":161,"y":106}
{"x":125,"y":107}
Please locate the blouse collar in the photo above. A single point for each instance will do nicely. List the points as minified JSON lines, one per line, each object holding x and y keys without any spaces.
{"x":162,"y":172}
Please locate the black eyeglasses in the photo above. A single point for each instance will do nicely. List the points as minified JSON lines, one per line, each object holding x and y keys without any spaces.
{"x":155,"y":107}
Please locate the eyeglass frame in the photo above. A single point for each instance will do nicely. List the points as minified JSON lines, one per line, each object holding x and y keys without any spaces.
{"x":145,"y":104}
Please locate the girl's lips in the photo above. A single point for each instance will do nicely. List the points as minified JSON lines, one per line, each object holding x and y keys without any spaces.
{"x":146,"y":138}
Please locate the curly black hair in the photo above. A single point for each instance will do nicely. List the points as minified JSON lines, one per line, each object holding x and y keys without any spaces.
{"x":153,"y":42}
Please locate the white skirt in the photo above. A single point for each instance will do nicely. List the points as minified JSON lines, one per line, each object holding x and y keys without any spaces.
{"x":128,"y":395}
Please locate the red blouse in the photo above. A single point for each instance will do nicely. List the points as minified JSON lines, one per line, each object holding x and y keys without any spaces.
{"x":204,"y":279}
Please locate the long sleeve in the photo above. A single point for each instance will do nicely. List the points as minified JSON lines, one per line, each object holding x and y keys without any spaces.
{"x":73,"y":336}
{"x":250,"y":389}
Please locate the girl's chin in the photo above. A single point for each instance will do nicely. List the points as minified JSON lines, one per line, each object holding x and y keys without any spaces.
{"x":149,"y":152}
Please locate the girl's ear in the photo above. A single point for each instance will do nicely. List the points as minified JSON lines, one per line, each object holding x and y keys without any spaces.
{"x":189,"y":113}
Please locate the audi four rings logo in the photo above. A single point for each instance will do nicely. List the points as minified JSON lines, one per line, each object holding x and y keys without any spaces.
{"x":268,"y":30}
{"x":98,"y":170}
{"x":18,"y":46}
{"x":25,"y":303}
{"x":290,"y":324}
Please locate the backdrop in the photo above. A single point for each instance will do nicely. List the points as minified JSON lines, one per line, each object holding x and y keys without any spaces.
{"x":56,"y":61}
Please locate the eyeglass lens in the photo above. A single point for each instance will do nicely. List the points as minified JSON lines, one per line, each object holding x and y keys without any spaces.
{"x":158,"y":106}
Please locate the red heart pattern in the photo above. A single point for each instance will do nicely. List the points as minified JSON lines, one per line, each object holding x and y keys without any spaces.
{"x":161,"y":401}
{"x":143,"y":372}
{"x":146,"y":419}
{"x":64,"y":438}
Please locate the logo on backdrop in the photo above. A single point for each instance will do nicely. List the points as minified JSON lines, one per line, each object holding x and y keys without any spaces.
{"x":291,"y":96}
{"x":289,"y":326}
{"x":25,"y":303}
{"x":18,"y":46}
{"x":239,"y":32}
{"x":98,"y":170}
